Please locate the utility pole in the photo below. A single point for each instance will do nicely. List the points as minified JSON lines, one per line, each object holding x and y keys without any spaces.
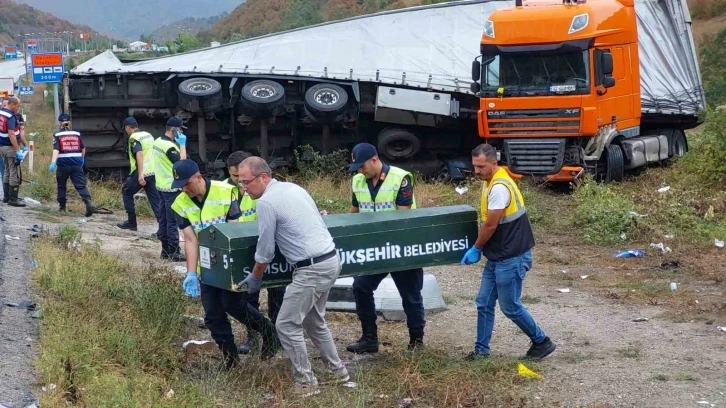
{"x":56,"y":103}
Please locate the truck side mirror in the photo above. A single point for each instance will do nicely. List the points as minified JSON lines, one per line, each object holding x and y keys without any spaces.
{"x":475,"y":71}
{"x":475,"y":87}
{"x":606,"y":62}
{"x":608,"y":81}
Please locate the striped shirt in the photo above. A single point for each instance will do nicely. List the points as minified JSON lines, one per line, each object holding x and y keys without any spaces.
{"x":288,"y":216}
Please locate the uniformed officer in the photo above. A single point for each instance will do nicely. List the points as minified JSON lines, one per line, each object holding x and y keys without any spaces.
{"x":168,"y":149}
{"x":248,"y":207}
{"x":68,"y":160}
{"x":11,"y":151}
{"x":506,"y":240}
{"x":141,"y":160}
{"x":203,"y":203}
{"x":380,"y":187}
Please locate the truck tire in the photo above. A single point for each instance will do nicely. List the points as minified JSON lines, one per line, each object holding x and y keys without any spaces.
{"x":398,"y":144}
{"x":325,"y":102}
{"x":200,"y":95}
{"x":260,"y":98}
{"x":615,"y":162}
{"x":679,"y":146}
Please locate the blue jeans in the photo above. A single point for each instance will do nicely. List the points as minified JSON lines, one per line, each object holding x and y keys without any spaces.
{"x":503,"y":280}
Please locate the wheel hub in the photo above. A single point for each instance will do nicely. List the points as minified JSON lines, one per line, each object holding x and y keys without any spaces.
{"x":262,"y":91}
{"x":199,"y":87}
{"x":326,"y":97}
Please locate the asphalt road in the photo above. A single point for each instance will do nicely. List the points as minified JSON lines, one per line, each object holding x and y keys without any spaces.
{"x":14,"y":68}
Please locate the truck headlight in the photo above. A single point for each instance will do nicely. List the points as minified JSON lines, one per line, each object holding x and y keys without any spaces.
{"x":489,"y":28}
{"x":578,"y":23}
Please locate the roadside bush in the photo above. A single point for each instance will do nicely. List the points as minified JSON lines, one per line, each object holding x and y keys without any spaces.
{"x":602,"y":213}
{"x":312,"y":164}
{"x":706,"y":158}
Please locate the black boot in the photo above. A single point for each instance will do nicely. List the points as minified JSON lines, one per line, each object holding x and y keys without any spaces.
{"x":248,"y":345}
{"x":415,"y":341}
{"x":6,"y":193}
{"x":129,"y":224}
{"x":368,"y":343}
{"x":62,"y":207}
{"x":89,"y":208}
{"x":14,"y":200}
{"x":175,"y":254}
{"x":164,"y":250}
{"x":231,"y":358}
{"x":270,"y":342}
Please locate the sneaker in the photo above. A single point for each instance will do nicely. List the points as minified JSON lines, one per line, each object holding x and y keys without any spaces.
{"x":306,"y":389}
{"x":541,"y":350}
{"x":339,"y":377}
{"x":475,"y":355}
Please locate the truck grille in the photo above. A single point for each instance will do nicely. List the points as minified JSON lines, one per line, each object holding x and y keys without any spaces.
{"x":534,"y":122}
{"x":534,"y":156}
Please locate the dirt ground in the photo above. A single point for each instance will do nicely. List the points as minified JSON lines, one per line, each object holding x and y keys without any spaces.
{"x":604,"y":358}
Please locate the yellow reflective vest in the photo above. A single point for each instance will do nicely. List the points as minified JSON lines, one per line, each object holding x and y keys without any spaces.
{"x":162,"y":165}
{"x":247,"y":205}
{"x":387,"y":193}
{"x":147,"y":147}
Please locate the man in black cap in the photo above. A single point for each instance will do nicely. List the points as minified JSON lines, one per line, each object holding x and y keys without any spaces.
{"x":68,"y":159}
{"x":169,"y":149}
{"x":203,"y":203}
{"x":141,"y":161}
{"x":380,"y":187}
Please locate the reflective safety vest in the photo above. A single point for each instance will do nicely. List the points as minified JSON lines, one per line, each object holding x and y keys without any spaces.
{"x":5,"y":116}
{"x":70,"y":148}
{"x":513,"y":235}
{"x":214,"y":209}
{"x":147,"y":147}
{"x":387,"y":193}
{"x":162,"y":165}
{"x":248,"y":206}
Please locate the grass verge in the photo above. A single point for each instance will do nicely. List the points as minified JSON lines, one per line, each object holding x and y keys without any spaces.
{"x":111,"y":336}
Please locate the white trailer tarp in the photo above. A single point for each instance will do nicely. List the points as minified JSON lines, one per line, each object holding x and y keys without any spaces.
{"x":428,"y":47}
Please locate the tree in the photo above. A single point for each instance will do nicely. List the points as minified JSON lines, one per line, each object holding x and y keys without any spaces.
{"x":187,"y":42}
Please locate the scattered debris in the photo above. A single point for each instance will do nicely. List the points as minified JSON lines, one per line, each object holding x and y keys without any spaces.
{"x":709,"y":322}
{"x":170,"y":394}
{"x":584,"y":277}
{"x":565,"y":290}
{"x":74,"y":244}
{"x":633,"y":253}
{"x":25,"y":304}
{"x":635,"y":214}
{"x":350,"y":384}
{"x":36,"y":228}
{"x":673,"y":286}
{"x":526,"y":372}
{"x":669,"y":264}
{"x":404,"y":403}
{"x":664,"y":249}
{"x":31,"y":201}
{"x":323,"y":212}
{"x":34,"y":263}
{"x":716,"y":242}
{"x":709,"y":213}
{"x":180,"y":269}
{"x":623,"y":236}
{"x":664,"y":189}
{"x":82,"y":220}
{"x":50,"y":387}
{"x":640,"y":319}
{"x":722,"y":328}
{"x":702,"y":402}
{"x":461,"y":190}
{"x":669,"y":236}
{"x":194,"y":346}
{"x":10,"y":238}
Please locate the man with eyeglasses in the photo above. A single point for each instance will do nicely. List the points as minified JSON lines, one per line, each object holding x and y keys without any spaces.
{"x":287,"y":216}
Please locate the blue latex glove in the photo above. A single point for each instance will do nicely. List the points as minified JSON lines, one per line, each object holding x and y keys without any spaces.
{"x":25,"y":148}
{"x":473,"y":255}
{"x":19,"y":155}
{"x":181,"y":138}
{"x":253,"y":284}
{"x":52,"y":167}
{"x":191,"y":284}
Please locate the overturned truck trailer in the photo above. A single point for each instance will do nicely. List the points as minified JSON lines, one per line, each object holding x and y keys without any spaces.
{"x":400,"y":80}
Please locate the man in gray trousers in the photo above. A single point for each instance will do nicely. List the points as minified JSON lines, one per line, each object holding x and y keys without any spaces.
{"x":288,"y":216}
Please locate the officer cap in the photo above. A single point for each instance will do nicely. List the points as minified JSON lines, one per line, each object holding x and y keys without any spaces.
{"x":183,"y":170}
{"x":64,"y":117}
{"x":130,"y":121}
{"x":175,"y":122}
{"x":362,"y":152}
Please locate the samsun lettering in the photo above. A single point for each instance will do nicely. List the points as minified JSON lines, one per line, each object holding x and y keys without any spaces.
{"x":272,"y":269}
{"x":397,"y":251}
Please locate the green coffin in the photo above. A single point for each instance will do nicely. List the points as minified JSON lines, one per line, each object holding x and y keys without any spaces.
{"x":368,"y":243}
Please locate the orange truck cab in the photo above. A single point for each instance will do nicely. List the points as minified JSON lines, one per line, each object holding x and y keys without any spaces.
{"x":560,"y":92}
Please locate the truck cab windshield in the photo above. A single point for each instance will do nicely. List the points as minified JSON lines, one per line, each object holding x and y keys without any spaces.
{"x":539,"y":73}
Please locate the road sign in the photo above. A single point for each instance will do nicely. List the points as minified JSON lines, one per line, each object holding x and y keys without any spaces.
{"x":32,"y":45}
{"x":11,"y":52}
{"x":26,"y":90}
{"x":47,"y":67}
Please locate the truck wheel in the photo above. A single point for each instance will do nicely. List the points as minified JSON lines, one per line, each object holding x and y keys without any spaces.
{"x":398,"y":144}
{"x":260,"y":98}
{"x":325,"y":102}
{"x":679,"y":147}
{"x":615,"y":164}
{"x":200,"y":95}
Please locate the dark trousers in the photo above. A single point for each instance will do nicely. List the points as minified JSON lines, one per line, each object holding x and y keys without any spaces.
{"x":409,"y":284}
{"x":78,"y":178}
{"x":274,"y":301}
{"x":168,"y":233}
{"x":218,"y":303}
{"x":131,"y":186}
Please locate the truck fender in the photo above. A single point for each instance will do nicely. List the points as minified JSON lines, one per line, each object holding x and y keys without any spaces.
{"x":597,"y":144}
